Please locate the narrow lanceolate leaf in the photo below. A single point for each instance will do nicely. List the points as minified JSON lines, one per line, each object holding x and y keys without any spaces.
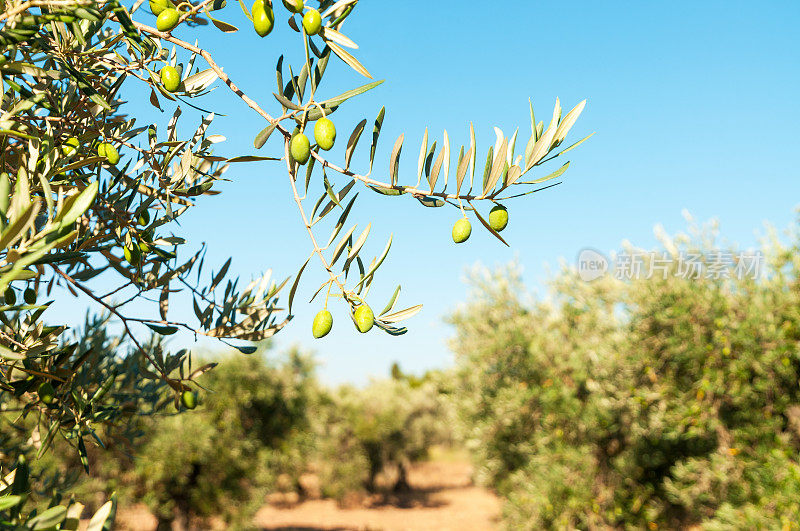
{"x":163,"y":330}
{"x":394,"y":159}
{"x":461,"y":171}
{"x":332,"y":9}
{"x":263,"y":136}
{"x":488,"y":168}
{"x":345,"y":56}
{"x":446,"y":151}
{"x":474,"y":154}
{"x":514,"y":173}
{"x":376,"y":133}
{"x":567,"y":123}
{"x":359,"y":243}
{"x":497,"y":167}
{"x":163,"y":302}
{"x":219,"y":276}
{"x":402,"y":314}
{"x":437,"y":166}
{"x":341,"y":98}
{"x":337,"y":252}
{"x":377,"y":263}
{"x":200,"y":81}
{"x":286,"y":102}
{"x":342,"y":219}
{"x":391,"y":302}
{"x":533,"y":122}
{"x":422,"y":151}
{"x":488,"y":227}
{"x":576,"y":144}
{"x":352,"y":142}
{"x":103,"y":516}
{"x":542,"y":147}
{"x":339,"y":196}
{"x":296,"y":283}
{"x":330,"y":34}
{"x":432,"y":202}
{"x":553,"y":175}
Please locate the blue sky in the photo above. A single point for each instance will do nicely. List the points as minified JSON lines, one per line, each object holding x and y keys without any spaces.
{"x":694,"y":105}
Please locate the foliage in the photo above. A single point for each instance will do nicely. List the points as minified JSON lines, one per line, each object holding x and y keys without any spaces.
{"x":90,"y":198}
{"x":221,"y":459}
{"x":390,"y":423}
{"x":664,"y":401}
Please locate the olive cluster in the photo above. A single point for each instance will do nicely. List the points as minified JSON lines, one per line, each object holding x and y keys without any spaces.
{"x":498,"y":220}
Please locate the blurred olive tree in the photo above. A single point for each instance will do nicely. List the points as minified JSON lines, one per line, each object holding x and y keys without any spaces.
{"x":663,"y":401}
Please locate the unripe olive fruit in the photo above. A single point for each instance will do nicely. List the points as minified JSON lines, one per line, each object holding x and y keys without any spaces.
{"x":189,"y":400}
{"x":144,"y":217}
{"x":170,"y":78}
{"x":498,"y":218}
{"x":46,"y":393}
{"x":323,"y":322}
{"x":461,"y":230}
{"x":70,"y":146}
{"x":263,"y":18}
{"x":29,"y":296}
{"x":109,"y":152}
{"x":167,"y":19}
{"x":157,"y":6}
{"x":10,"y":297}
{"x":312,"y":22}
{"x":132,"y":254}
{"x":300,"y":148}
{"x":364,"y":318}
{"x":325,"y":133}
{"x":295,"y":6}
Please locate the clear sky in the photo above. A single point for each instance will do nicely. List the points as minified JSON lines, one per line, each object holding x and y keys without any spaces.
{"x":694,"y":105}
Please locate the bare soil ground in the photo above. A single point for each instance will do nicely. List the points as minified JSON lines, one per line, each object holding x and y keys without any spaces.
{"x":442,"y":498}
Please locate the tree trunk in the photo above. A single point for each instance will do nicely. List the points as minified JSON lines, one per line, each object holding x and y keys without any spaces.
{"x":402,"y":478}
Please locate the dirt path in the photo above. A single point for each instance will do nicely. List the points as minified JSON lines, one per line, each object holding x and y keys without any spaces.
{"x":442,"y":498}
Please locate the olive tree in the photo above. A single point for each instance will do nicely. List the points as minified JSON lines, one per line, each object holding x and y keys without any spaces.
{"x":89,"y":196}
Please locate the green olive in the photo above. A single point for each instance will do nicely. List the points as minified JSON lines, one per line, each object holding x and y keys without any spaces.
{"x":70,"y":146}
{"x":109,"y":152}
{"x":10,"y":297}
{"x":157,"y":6}
{"x":364,"y":318}
{"x":170,"y":78}
{"x":295,"y":6}
{"x":323,"y":322}
{"x":461,"y":230}
{"x":300,"y":148}
{"x":133,"y":254}
{"x":189,"y":400}
{"x":263,"y":18}
{"x":29,"y":295}
{"x":312,"y":22}
{"x":498,"y":218}
{"x":167,"y":20}
{"x":144,"y":217}
{"x":325,"y":133}
{"x":46,"y":393}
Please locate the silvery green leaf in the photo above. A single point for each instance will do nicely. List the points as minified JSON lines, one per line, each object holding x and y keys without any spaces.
{"x":352,"y":142}
{"x":568,"y":121}
{"x":330,"y":34}
{"x":402,"y":314}
{"x":394,"y":159}
{"x":349,"y":59}
{"x":376,"y":133}
{"x":422,"y":151}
